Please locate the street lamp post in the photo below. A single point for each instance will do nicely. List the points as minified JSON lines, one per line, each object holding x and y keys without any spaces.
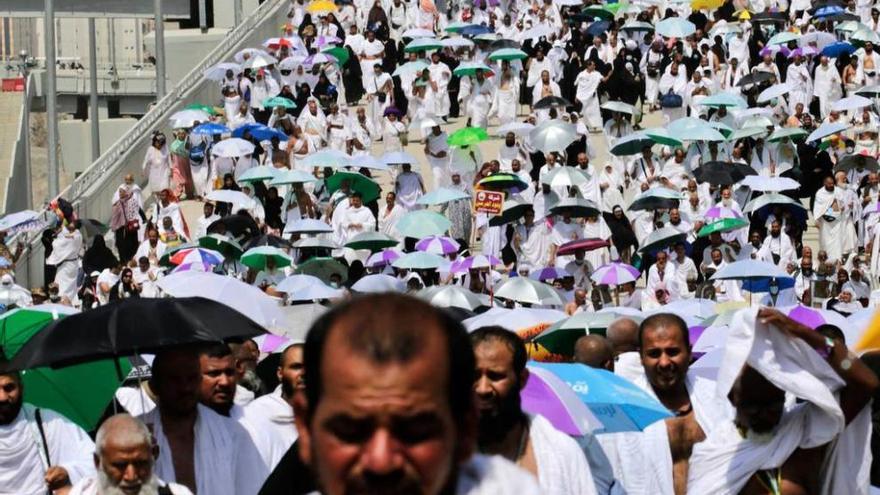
{"x":26,"y":137}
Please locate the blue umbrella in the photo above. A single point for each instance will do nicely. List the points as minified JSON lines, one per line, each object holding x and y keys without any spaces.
{"x":749,"y":269}
{"x":616,"y":402}
{"x":598,"y":28}
{"x":828,"y":10}
{"x":475,"y":30}
{"x":763,"y":284}
{"x":260,"y":132}
{"x":837,"y":49}
{"x":211,"y":129}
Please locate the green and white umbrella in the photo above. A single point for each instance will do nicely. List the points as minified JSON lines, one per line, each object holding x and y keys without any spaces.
{"x":723,"y":225}
{"x":470,"y":69}
{"x":292,"y":177}
{"x":508,"y":54}
{"x":373,"y":241}
{"x":661,"y":135}
{"x":632,"y":144}
{"x":323,"y":268}
{"x":327,"y":158}
{"x":442,"y":195}
{"x":792,"y":133}
{"x":783,"y":38}
{"x":422,"y":223}
{"x":693,"y":129}
{"x":227,"y":246}
{"x":772,"y":199}
{"x":620,"y":107}
{"x":560,"y":337}
{"x":724,"y":99}
{"x":747,"y":132}
{"x":418,"y":260}
{"x":410,"y":68}
{"x":423,"y":44}
{"x":315,"y":243}
{"x":258,"y":174}
{"x":278,"y":101}
{"x":258,"y":258}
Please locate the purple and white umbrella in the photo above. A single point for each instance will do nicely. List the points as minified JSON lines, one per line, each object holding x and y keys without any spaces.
{"x":324,"y":40}
{"x":719,"y":212}
{"x":548,"y":273}
{"x":194,"y":267}
{"x":474,"y":262}
{"x":615,"y":274}
{"x":436,"y":244}
{"x":382,"y":258}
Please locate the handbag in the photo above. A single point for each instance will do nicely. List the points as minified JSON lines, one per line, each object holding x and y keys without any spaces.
{"x":380,"y":95}
{"x":671,"y":100}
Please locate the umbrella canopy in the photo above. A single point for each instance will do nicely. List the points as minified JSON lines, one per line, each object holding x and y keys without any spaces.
{"x":749,"y":269}
{"x":398,"y":158}
{"x":321,"y":7}
{"x":386,"y":257}
{"x":565,"y":177}
{"x":771,"y":199}
{"x":872,"y":91}
{"x":316,"y":243}
{"x":452,"y":296}
{"x":279,"y":101}
{"x":551,"y":102}
{"x":615,"y":273}
{"x":373,"y":241}
{"x":82,"y":392}
{"x":196,"y":255}
{"x":675,"y":27}
{"x":236,"y":198}
{"x":471,"y":69}
{"x":133,"y":326}
{"x":632,"y":144}
{"x":576,"y":245}
{"x":442,"y":195}
{"x":576,"y":207}
{"x":259,"y":132}
{"x":853,"y":102}
{"x":827,"y":129}
{"x":308,"y":226}
{"x":268,"y":240}
{"x":260,"y":257}
{"x":222,"y":244}
{"x":306,"y":288}
{"x":528,"y":291}
{"x":467,"y":136}
{"x":512,"y":210}
{"x":378,"y":283}
{"x":327,"y":158}
{"x":559,"y":338}
{"x":259,"y":61}
{"x":553,"y":135}
{"x":438,"y":245}
{"x":419,"y":260}
{"x":786,"y":133}
{"x":292,"y":177}
{"x":783,"y":38}
{"x":756,"y":77}
{"x":693,"y":129}
{"x":619,"y":106}
{"x":661,"y":136}
{"x":323,"y":268}
{"x":857,"y":161}
{"x":18,"y":221}
{"x":422,"y":223}
{"x":774,"y":91}
{"x":503,"y":182}
{"x":517,"y":128}
{"x":367,"y":187}
{"x":246,"y":299}
{"x":719,"y":173}
{"x":514,"y":319}
{"x":423,"y":44}
{"x":770,"y":184}
{"x":232,"y":148}
{"x":616,"y":402}
{"x":508,"y":54}
{"x":546,"y":394}
{"x":258,"y":174}
{"x":662,"y":239}
{"x":474,"y":262}
{"x":413,"y":33}
{"x":724,"y":99}
{"x":210,"y":129}
{"x":415,"y":66}
{"x":723,"y":225}
{"x":218,"y":72}
{"x":185,"y":119}
{"x":548,"y":273}
{"x":658,"y":197}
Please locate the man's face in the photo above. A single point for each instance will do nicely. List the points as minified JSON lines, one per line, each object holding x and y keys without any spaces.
{"x":497,"y":385}
{"x":829,"y":184}
{"x":10,"y":398}
{"x":674,"y":216}
{"x":775,"y":229}
{"x":665,"y":357}
{"x":661,"y":260}
{"x":125,"y":467}
{"x":153,"y":236}
{"x":716,"y":257}
{"x":759,"y":404}
{"x":177,"y":384}
{"x":208,"y":210}
{"x":291,"y":372}
{"x":382,"y":428}
{"x":217,"y":389}
{"x":356,"y":202}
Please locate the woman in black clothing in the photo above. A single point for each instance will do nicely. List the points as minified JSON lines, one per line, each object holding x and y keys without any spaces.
{"x":622,"y":234}
{"x":126,"y":288}
{"x":98,"y":257}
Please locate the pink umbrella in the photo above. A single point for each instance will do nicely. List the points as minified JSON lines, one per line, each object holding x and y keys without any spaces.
{"x":194,"y":267}
{"x":581,"y":244}
{"x":546,"y":394}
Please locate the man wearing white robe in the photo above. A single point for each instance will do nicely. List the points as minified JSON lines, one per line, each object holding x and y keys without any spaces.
{"x":222,"y":457}
{"x":480,"y":101}
{"x":662,"y":273}
{"x":152,"y":248}
{"x":437,"y":153}
{"x":586,"y":85}
{"x":778,"y":246}
{"x":24,"y":468}
{"x":390,"y":214}
{"x":826,"y":85}
{"x":208,"y":217}
{"x":829,"y":212}
{"x":313,"y":123}
{"x":440,"y":77}
{"x":67,"y":250}
{"x":356,"y":219}
{"x":798,"y":76}
{"x":532,"y":241}
{"x":370,"y":54}
{"x":409,"y":187}
{"x":509,"y":151}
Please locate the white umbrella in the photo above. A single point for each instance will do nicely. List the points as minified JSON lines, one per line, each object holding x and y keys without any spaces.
{"x":774,"y":91}
{"x":518,"y":128}
{"x":536,"y":32}
{"x":398,"y":157}
{"x":229,"y":196}
{"x":457,"y":42}
{"x":307,"y":288}
{"x":14,"y":294}
{"x":307,"y":226}
{"x":826,"y":129}
{"x":18,"y":218}
{"x":291,"y":62}
{"x":218,"y":72}
{"x":821,"y":39}
{"x":249,"y":53}
{"x":246,"y":299}
{"x":233,"y":148}
{"x":565,"y":177}
{"x":513,"y":319}
{"x":619,"y":106}
{"x":259,"y":61}
{"x":853,"y":102}
{"x":378,"y":283}
{"x":770,"y":184}
{"x":185,"y":119}
{"x":553,"y":135}
{"x":526,"y":290}
{"x":418,"y":33}
{"x":445,"y":296}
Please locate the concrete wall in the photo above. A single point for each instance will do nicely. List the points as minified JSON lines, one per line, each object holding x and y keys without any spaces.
{"x":76,"y":137}
{"x":185,"y":49}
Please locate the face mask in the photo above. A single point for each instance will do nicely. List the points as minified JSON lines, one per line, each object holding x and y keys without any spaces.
{"x":335,"y":285}
{"x":849,"y":150}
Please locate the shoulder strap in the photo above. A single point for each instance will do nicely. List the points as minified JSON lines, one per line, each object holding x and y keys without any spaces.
{"x":165,"y":490}
{"x":39,"y":417}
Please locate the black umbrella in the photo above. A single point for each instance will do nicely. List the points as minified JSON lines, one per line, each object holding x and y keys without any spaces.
{"x":499,"y":44}
{"x":858,"y":160}
{"x":237,"y":225}
{"x":267,"y":240}
{"x":129,"y":327}
{"x":93,"y":227}
{"x":721,"y":173}
{"x":769,"y":18}
{"x":842,"y":17}
{"x":550,"y":102}
{"x":756,"y":77}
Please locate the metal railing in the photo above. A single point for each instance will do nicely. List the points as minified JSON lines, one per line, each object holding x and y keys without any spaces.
{"x":91,"y":192}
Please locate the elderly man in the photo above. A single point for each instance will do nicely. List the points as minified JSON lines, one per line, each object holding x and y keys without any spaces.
{"x":355,"y":219}
{"x":507,"y":431}
{"x":388,"y":405}
{"x":814,"y":445}
{"x":594,"y":351}
{"x":198,"y":448}
{"x":273,"y":413}
{"x":31,"y":438}
{"x":124,"y":462}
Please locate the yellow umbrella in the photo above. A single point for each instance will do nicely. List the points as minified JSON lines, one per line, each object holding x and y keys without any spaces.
{"x":706,"y":4}
{"x":321,"y":7}
{"x":745,"y":15}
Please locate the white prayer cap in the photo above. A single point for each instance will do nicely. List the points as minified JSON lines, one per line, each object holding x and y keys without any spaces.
{"x":6,"y":280}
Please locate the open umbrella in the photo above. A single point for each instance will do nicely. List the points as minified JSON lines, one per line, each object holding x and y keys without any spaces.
{"x":857,"y":161}
{"x":572,"y":247}
{"x":827,"y":129}
{"x":553,"y":135}
{"x":446,"y":296}
{"x":675,"y":27}
{"x":133,"y":326}
{"x":383,"y":258}
{"x":632,"y":144}
{"x":619,"y":106}
{"x":222,"y":244}
{"x":548,"y":273}
{"x":661,"y":135}
{"x":210,"y":129}
{"x":565,"y":177}
{"x":546,"y":394}
{"x":323,"y":268}
{"x":503,"y":182}
{"x":258,"y":174}
{"x":615,"y":273}
{"x":518,"y":128}
{"x":853,"y":102}
{"x":693,"y":129}
{"x":512,"y":210}
{"x":368,"y":188}
{"x":246,"y":299}
{"x":442,"y":195}
{"x":268,"y":240}
{"x":438,"y":245}
{"x":339,"y":53}
{"x":723,"y":225}
{"x":724,"y":99}
{"x":218,"y":72}
{"x":474,"y":262}
{"x":82,"y":392}
{"x":279,"y":101}
{"x":756,"y":77}
{"x":548,"y":102}
{"x":20,"y":221}
{"x":837,"y":49}
{"x":321,"y":7}
{"x":259,"y":257}
{"x":525,"y":290}
{"x":418,"y":260}
{"x":422,"y":223}
{"x":560,"y":337}
{"x":286,"y":177}
{"x":770,"y":184}
{"x":196,"y":255}
{"x":616,"y":402}
{"x":719,"y":173}
{"x":373,"y":241}
{"x":259,"y":132}
{"x":514,"y":319}
{"x":774,"y":91}
{"x":306,"y":288}
{"x":398,"y":158}
{"x":786,"y":133}
{"x":307,"y":226}
{"x":770,"y":200}
{"x":508,"y":54}
{"x":259,"y":61}
{"x":414,"y":33}
{"x":316,"y":243}
{"x":185,"y":119}
{"x":661,"y":239}
{"x":232,"y":148}
{"x":327,"y":158}
{"x":783,"y":38}
{"x":378,"y":283}
{"x":467,"y":136}
{"x":749,"y":269}
{"x":413,"y":67}
{"x":471,"y":69}
{"x":576,"y":207}
{"x":655,"y":198}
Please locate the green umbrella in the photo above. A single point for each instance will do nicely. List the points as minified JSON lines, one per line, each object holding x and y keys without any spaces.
{"x":165,"y":260}
{"x":503,"y":182}
{"x":723,"y":225}
{"x":724,"y":99}
{"x":512,"y":210}
{"x":201,"y":106}
{"x":359,"y":183}
{"x":507,"y":54}
{"x":467,"y":136}
{"x":423,"y":44}
{"x":662,"y":239}
{"x":456,"y":27}
{"x":323,"y":268}
{"x":662,"y":136}
{"x":418,"y":260}
{"x":337,"y":52}
{"x":222,"y":244}
{"x":600,"y":12}
{"x":746,"y":132}
{"x":783,"y":38}
{"x":470,"y":69}
{"x":374,"y":241}
{"x":422,"y":223}
{"x":631,"y":144}
{"x":258,"y":174}
{"x":81,"y":392}
{"x":787,"y":132}
{"x":279,"y":101}
{"x":258,"y":257}
{"x":560,"y":337}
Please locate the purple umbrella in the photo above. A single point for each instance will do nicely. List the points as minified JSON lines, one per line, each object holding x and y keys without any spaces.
{"x":322,"y":41}
{"x":548,"y":273}
{"x":772,"y":49}
{"x":546,"y":394}
{"x":194,"y":267}
{"x":719,"y":212}
{"x":382,"y":258}
{"x":473,"y":262}
{"x":436,"y":244}
{"x":814,"y":318}
{"x":803,"y":51}
{"x":616,"y":273}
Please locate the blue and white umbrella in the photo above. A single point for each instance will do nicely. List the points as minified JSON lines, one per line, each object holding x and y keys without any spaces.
{"x":750,"y":269}
{"x":442,"y":195}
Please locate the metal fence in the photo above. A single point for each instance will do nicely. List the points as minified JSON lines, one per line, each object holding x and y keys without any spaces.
{"x":91,"y":193}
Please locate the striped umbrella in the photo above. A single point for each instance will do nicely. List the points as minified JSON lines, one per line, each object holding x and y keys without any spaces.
{"x":474,"y":262}
{"x":615,"y":273}
{"x":383,"y":258}
{"x":546,"y":394}
{"x":193,"y":267}
{"x":438,"y":245}
{"x":196,"y":255}
{"x":548,"y":273}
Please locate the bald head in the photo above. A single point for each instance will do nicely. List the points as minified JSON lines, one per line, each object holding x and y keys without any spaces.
{"x":595,"y":351}
{"x":122,"y":431}
{"x":623,"y":334}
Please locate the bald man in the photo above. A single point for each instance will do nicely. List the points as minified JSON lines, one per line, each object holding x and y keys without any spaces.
{"x":595,"y":351}
{"x":623,"y":335}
